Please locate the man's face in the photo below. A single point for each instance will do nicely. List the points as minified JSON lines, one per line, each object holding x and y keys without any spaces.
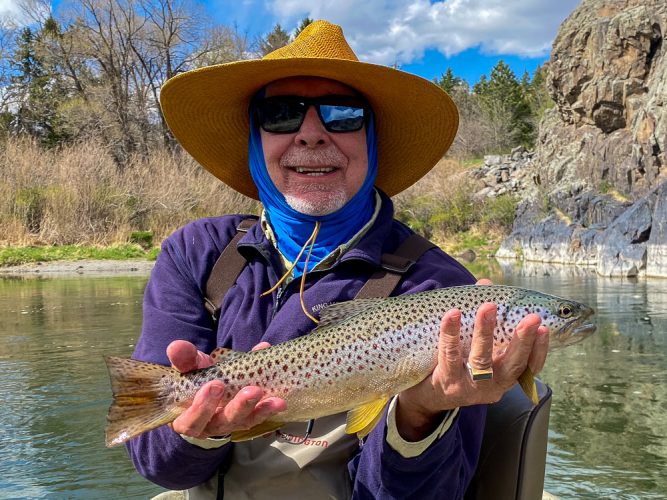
{"x":317,"y":171}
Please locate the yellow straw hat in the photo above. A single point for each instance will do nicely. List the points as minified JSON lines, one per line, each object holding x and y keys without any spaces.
{"x":207,"y":108}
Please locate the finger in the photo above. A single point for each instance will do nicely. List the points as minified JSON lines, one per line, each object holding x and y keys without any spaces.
{"x":538,"y":355}
{"x":236,"y":413}
{"x":484,"y":281}
{"x":515,"y":359}
{"x":261,"y":345}
{"x":221,"y":425}
{"x":449,"y":348}
{"x":481,"y":349}
{"x":194,"y":419}
{"x":182,"y":355}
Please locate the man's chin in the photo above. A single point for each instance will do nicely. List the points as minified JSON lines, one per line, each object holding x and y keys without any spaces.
{"x":319,"y":205}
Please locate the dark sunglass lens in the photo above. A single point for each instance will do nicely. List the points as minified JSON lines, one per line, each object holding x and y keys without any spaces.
{"x":342,"y":118}
{"x":281,"y":115}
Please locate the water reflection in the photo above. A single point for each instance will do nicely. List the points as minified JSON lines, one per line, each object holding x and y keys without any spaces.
{"x":608,"y":430}
{"x":55,"y":389}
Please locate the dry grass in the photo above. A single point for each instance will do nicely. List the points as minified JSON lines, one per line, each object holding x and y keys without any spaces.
{"x":77,"y":195}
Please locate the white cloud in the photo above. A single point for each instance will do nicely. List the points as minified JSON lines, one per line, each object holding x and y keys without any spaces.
{"x":9,"y":8}
{"x":390,"y":31}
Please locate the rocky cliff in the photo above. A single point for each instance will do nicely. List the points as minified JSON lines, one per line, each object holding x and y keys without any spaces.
{"x":598,"y":196}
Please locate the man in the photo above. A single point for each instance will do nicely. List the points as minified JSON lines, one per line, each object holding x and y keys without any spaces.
{"x":320,"y":139}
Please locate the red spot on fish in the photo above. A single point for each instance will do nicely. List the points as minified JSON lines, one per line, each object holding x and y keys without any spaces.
{"x":260,"y":371}
{"x":308,"y":375}
{"x":241,"y":376}
{"x":284,"y":368}
{"x":349,"y":369}
{"x":361,"y":367}
{"x":338,"y":361}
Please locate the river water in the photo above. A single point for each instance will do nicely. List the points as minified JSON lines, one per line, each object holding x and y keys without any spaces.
{"x":608,"y":428}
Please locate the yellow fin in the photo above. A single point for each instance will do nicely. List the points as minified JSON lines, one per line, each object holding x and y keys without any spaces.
{"x":257,"y":431}
{"x":361,"y":420}
{"x":527,"y":383}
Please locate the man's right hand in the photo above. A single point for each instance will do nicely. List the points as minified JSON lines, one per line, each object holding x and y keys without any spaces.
{"x":207,"y":416}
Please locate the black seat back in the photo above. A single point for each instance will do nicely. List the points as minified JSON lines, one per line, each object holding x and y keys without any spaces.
{"x":514,"y":448}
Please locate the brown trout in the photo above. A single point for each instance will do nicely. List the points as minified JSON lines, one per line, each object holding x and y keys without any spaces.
{"x":361,"y":354}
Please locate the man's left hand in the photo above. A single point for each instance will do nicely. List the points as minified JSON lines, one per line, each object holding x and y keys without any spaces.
{"x":450,"y":385}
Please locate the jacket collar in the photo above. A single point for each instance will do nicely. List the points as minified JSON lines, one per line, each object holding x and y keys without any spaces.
{"x":368,"y":249}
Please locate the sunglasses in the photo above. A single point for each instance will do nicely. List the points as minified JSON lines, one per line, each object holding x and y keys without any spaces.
{"x":284,"y":114}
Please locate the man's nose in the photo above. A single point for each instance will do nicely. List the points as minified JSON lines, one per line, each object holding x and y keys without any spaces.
{"x":312,"y":132}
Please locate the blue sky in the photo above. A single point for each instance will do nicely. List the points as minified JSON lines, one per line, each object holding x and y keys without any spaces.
{"x":421,"y":36}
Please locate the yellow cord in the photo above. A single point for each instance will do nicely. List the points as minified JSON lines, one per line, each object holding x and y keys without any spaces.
{"x":310,"y":243}
{"x":303,"y":276}
{"x":293,"y":265}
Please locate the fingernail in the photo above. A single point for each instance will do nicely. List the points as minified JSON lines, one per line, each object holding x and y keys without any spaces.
{"x":216,"y":391}
{"x":252,"y":401}
{"x":490,"y":316}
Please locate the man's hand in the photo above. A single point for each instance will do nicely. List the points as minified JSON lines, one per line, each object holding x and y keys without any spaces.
{"x":206,"y":417}
{"x":450,"y":384}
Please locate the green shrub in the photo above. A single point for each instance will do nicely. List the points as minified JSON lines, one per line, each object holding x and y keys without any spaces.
{"x":499,"y":212}
{"x":142,"y":238}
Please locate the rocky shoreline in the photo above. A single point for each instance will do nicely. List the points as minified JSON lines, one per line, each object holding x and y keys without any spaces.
{"x":80,"y":267}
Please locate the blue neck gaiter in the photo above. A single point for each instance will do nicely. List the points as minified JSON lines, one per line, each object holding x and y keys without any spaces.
{"x":291,"y":228}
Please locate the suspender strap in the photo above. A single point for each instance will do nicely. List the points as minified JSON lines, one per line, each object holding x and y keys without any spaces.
{"x":381,"y":284}
{"x":225,"y":271}
{"x":383,"y":281}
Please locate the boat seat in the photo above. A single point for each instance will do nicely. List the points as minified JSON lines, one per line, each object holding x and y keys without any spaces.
{"x":514,"y":448}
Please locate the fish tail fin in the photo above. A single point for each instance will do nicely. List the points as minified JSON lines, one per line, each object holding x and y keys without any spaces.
{"x":527,"y":383}
{"x":139,"y":399}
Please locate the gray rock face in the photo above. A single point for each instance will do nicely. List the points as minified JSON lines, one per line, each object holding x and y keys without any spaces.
{"x":601,"y":153}
{"x":657,"y":244}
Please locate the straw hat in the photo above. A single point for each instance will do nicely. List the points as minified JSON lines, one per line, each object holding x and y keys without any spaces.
{"x":207,"y":108}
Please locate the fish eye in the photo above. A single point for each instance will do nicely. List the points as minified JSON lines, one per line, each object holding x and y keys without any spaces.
{"x":565,"y":310}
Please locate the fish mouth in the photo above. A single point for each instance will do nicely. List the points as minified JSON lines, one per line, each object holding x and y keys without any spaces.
{"x":584,"y":330}
{"x":575,"y":332}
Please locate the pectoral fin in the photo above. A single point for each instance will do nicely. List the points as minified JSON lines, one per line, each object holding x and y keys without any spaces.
{"x":527,"y":383}
{"x":257,"y":431}
{"x":363,"y":419}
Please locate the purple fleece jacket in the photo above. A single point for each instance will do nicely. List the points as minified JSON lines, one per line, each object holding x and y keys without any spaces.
{"x":173,"y":309}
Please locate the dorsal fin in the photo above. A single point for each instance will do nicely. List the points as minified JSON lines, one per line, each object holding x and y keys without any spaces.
{"x":335,"y":313}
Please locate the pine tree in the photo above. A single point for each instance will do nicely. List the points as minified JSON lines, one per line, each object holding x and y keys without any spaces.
{"x":448,"y":82}
{"x":304,"y":22}
{"x":506,"y":107}
{"x":274,"y":40}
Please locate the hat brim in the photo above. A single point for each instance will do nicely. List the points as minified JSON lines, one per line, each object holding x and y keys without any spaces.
{"x":207,"y":111}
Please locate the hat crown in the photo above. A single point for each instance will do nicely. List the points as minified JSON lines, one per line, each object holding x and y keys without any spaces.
{"x":320,"y":39}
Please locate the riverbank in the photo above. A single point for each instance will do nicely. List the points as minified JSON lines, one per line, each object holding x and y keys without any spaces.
{"x":87,"y":267}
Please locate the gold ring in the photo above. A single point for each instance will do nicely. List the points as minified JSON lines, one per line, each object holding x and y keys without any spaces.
{"x":477,"y":374}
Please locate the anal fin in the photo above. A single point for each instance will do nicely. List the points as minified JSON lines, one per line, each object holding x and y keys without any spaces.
{"x":527,"y":382}
{"x":257,"y":431}
{"x":363,"y":419}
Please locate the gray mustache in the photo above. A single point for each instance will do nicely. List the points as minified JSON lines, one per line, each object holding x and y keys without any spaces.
{"x":328,"y":157}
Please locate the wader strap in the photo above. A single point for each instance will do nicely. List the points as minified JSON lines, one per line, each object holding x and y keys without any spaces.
{"x":225,"y":271}
{"x":394,"y":266}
